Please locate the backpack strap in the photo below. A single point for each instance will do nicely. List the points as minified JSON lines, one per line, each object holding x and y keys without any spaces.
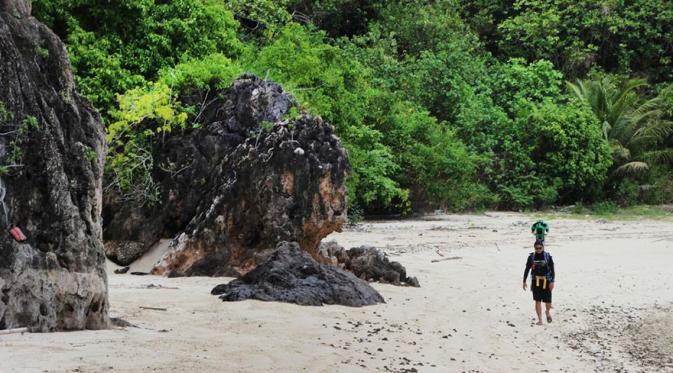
{"x":548,"y":268}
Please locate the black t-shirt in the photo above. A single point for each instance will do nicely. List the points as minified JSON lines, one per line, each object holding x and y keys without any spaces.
{"x":539,"y":266}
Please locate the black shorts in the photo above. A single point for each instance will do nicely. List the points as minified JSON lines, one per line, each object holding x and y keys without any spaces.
{"x":541,"y":295}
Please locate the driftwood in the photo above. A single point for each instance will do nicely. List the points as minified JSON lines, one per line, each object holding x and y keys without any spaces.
{"x":13,"y":331}
{"x":445,"y":259}
{"x":154,"y":308}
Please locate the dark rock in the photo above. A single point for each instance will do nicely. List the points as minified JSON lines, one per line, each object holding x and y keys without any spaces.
{"x":121,"y":271}
{"x":124,"y":252}
{"x":249,"y":177}
{"x":16,"y":8}
{"x":289,"y":274}
{"x":366,"y":262}
{"x":52,"y":148}
{"x":412,"y":281}
{"x":121,"y":323}
{"x":370,"y":263}
{"x":333,"y":253}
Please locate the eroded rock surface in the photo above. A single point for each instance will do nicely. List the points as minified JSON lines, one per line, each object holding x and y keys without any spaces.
{"x":51,"y":160}
{"x":289,"y":274}
{"x":124,"y":252}
{"x":253,"y":175}
{"x":367,"y":263}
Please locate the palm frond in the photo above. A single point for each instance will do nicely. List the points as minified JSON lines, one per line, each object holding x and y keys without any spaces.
{"x":577,"y":89}
{"x":634,"y":168}
{"x":606,"y":128}
{"x":659,"y":156}
{"x":635,"y":122}
{"x":628,"y":88}
{"x":655,"y":132}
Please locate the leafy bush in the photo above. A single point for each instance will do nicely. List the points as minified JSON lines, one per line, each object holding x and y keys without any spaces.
{"x":568,"y":148}
{"x":116,"y":45}
{"x":144,"y":115}
{"x":16,"y":135}
{"x":602,"y":208}
{"x":336,"y":89}
{"x":578,"y":35}
{"x":261,"y":20}
{"x":419,"y":26}
{"x":397,"y":149}
{"x":213,"y":70}
{"x":516,"y":82}
{"x":336,"y":17}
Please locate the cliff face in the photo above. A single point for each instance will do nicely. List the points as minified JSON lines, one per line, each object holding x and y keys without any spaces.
{"x":251,"y":176}
{"x":16,"y":8}
{"x":52,"y":266}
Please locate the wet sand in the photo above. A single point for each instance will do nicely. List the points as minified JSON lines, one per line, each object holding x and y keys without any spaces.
{"x":612,"y":306}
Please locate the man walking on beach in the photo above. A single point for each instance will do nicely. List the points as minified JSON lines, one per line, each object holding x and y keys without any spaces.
{"x":541,"y":266}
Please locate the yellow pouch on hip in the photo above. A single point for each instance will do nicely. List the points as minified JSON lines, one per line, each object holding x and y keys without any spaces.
{"x":544,"y":282}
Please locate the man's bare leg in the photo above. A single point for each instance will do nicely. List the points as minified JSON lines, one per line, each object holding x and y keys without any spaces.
{"x":548,"y":311}
{"x":538,"y":310}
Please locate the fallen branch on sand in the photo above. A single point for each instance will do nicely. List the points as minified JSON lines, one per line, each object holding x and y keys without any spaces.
{"x":154,"y":286}
{"x":12,"y":331}
{"x":445,"y":259}
{"x":154,"y":308}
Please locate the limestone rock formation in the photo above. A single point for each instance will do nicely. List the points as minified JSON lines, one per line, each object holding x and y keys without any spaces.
{"x":52,"y":266}
{"x":291,"y":275}
{"x":367,"y":263}
{"x":251,"y":176}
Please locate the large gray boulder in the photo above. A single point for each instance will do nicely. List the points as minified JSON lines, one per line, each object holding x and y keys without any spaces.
{"x":51,"y":162}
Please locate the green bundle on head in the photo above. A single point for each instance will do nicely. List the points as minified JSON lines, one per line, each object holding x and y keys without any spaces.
{"x":540,"y":229}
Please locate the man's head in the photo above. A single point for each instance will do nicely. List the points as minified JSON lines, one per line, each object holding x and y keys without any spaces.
{"x":539,"y":246}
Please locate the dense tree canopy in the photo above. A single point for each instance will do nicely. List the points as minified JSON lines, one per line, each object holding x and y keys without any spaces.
{"x":456,"y":104}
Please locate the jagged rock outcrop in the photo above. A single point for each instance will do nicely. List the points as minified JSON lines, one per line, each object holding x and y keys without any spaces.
{"x":255,"y":173}
{"x":367,"y":263}
{"x":289,"y":274}
{"x":51,"y":162}
{"x":16,"y":8}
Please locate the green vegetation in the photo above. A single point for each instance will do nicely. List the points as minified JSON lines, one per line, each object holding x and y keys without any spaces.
{"x":130,"y":161}
{"x":5,"y":114}
{"x":43,"y":53}
{"x":458,"y":104}
{"x":607,"y":211}
{"x":15,"y":136}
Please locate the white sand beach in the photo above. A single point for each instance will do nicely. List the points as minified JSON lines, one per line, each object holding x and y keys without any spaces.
{"x":612,"y":303}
